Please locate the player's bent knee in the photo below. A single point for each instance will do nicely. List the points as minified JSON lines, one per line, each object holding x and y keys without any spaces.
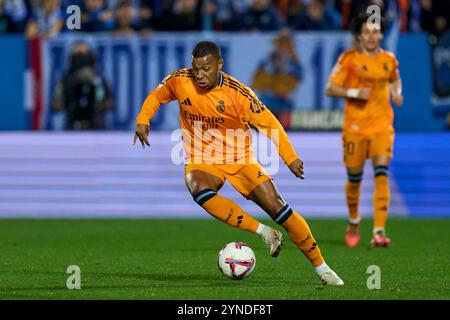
{"x":381,"y":171}
{"x":204,"y":195}
{"x":283,"y":214}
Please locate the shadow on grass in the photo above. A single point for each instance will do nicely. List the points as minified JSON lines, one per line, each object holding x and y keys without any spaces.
{"x":113,"y":280}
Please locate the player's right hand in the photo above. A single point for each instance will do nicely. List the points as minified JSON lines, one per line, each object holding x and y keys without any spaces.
{"x":364,"y":93}
{"x":297,"y":168}
{"x":142,"y":133}
{"x":397,"y":99}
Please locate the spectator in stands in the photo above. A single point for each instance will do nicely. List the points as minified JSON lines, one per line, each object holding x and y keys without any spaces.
{"x":184,"y":15}
{"x":147,"y":11}
{"x":5,"y":19}
{"x":441,"y":10}
{"x":67,"y":3}
{"x":317,"y":17}
{"x":96,"y":16}
{"x":428,"y":15}
{"x":399,"y":10}
{"x":289,"y":10}
{"x":222,"y":14}
{"x":139,"y":12}
{"x":226,"y":14}
{"x":161,"y":10}
{"x":83,"y":93}
{"x":124,"y":22}
{"x":47,"y":21}
{"x":350,"y":9}
{"x":18,"y":11}
{"x":279,"y":75}
{"x":425,"y":19}
{"x":261,"y":16}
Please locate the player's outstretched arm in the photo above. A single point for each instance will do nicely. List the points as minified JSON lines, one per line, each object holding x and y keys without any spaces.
{"x":264,"y":120}
{"x":163,"y":93}
{"x":285,"y":149}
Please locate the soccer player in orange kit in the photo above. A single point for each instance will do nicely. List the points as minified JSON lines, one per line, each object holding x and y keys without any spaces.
{"x":213,"y":104}
{"x":367,"y":77}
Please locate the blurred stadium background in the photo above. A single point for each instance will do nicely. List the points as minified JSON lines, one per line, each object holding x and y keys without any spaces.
{"x":55,"y":162}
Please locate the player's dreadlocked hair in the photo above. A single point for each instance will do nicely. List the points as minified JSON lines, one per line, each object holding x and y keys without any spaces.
{"x":204,"y":48}
{"x":360,"y":19}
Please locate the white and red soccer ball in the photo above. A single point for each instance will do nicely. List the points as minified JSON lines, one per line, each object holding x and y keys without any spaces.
{"x":236,"y":260}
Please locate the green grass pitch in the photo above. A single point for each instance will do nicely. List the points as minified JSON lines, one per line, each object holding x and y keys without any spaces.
{"x":176,"y":259}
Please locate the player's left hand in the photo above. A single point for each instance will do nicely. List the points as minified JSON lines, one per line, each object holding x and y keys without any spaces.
{"x":297,"y":168}
{"x":397,"y":99}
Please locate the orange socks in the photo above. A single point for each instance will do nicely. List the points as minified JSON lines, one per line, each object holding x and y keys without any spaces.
{"x":226,"y":210}
{"x":300,"y":234}
{"x":381,"y":198}
{"x":352,"y":192}
{"x":230,"y":213}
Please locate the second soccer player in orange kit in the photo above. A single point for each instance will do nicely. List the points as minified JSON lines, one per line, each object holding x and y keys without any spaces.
{"x":367,"y":77}
{"x":212,"y":105}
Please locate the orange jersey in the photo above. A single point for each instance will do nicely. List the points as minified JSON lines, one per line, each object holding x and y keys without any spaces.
{"x":356,"y":69}
{"x":216,"y":123}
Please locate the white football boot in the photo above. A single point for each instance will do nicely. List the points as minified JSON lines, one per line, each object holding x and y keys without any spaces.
{"x":329,"y":277}
{"x":273,"y":240}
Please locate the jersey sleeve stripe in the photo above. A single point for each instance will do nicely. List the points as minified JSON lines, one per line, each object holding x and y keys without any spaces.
{"x":247,"y":95}
{"x":237,"y":84}
{"x":180,"y":73}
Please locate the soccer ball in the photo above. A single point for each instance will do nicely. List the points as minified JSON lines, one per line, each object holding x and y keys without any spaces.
{"x":236,"y":260}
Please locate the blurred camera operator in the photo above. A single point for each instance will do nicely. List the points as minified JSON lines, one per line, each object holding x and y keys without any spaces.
{"x":83,"y":93}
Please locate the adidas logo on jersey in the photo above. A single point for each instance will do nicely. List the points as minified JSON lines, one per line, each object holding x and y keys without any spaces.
{"x":187,"y":102}
{"x":256,"y":106}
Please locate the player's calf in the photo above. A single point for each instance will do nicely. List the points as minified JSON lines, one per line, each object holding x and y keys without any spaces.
{"x":225,"y":210}
{"x":300,"y":234}
{"x":381,"y":200}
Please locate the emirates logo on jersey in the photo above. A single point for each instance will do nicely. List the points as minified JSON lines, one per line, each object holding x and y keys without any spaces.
{"x":221,"y":106}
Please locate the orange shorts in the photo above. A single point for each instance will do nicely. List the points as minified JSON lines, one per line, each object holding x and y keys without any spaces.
{"x":357,"y":148}
{"x":243,"y":177}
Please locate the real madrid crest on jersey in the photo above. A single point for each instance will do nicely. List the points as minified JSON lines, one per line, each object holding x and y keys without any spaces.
{"x":221,"y":106}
